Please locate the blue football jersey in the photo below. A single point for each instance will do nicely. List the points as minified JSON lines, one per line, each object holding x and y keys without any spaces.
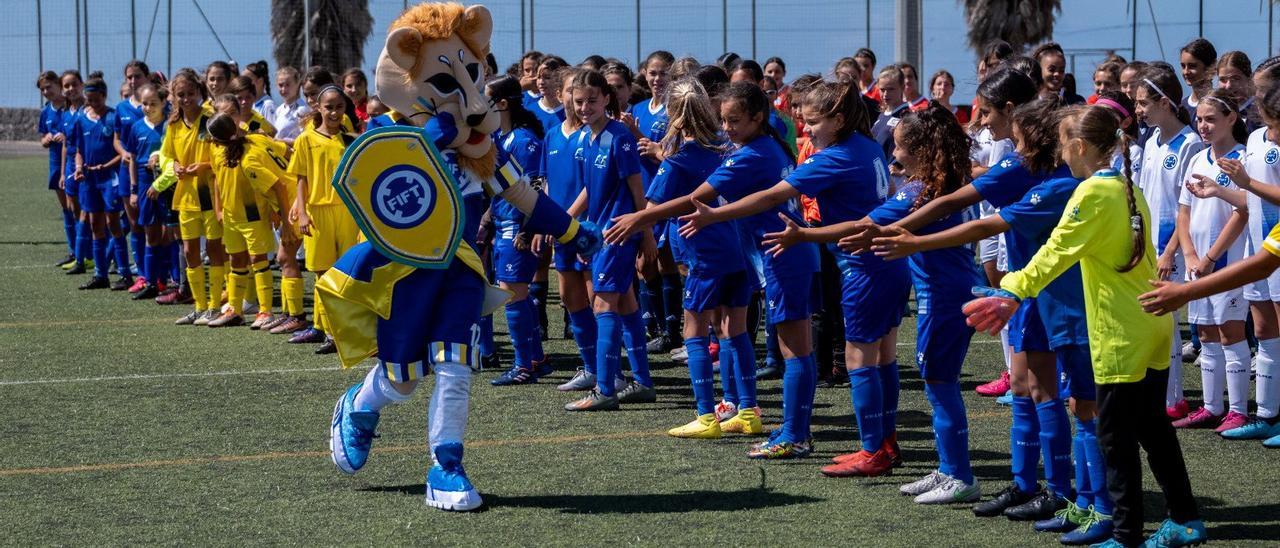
{"x":715,"y":250}
{"x":609,"y":158}
{"x":1006,"y":183}
{"x":848,"y":179}
{"x":941,"y":275}
{"x":651,"y":118}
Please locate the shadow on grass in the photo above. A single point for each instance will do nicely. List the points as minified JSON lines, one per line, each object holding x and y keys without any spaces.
{"x":649,"y":503}
{"x":1258,"y":522}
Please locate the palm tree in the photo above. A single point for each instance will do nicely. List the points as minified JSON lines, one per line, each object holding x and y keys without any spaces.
{"x":1019,"y":22}
{"x":339,"y":29}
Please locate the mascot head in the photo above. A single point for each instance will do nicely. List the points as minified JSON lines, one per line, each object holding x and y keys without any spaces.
{"x":434,"y":62}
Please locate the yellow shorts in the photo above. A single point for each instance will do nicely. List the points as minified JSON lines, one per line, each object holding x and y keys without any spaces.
{"x":193,"y":225}
{"x":333,"y":232}
{"x":256,"y":237}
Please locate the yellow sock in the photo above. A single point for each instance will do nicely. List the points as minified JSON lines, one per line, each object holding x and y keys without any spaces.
{"x":264,"y":283}
{"x":236,"y":290}
{"x":291,"y":294}
{"x":251,"y":287}
{"x":217,"y":282}
{"x":319,"y":318}
{"x":195,"y":279}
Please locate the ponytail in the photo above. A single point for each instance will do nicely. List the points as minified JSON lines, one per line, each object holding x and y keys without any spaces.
{"x":1099,"y":127}
{"x":844,"y":98}
{"x":224,"y":130}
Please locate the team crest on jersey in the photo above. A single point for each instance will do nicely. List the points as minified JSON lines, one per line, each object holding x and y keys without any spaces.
{"x":403,"y":196}
{"x":1035,"y":199}
{"x":1171,"y":161}
{"x":1006,"y":163}
{"x":1273,"y":154}
{"x":1222,"y":179}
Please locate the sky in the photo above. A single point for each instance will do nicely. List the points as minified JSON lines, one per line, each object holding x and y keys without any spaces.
{"x":809,"y":35}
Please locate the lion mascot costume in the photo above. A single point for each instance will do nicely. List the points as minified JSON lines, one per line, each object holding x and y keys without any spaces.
{"x":412,"y":294}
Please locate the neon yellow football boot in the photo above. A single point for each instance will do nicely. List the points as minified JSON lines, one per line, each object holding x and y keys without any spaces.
{"x":747,"y":421}
{"x":705,"y":427}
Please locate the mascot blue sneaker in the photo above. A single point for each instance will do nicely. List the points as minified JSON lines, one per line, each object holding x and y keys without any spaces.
{"x":351,"y":433}
{"x":447,"y":485}
{"x":412,"y":294}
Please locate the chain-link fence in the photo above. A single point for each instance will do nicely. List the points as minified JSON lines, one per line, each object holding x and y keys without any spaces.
{"x":809,"y":34}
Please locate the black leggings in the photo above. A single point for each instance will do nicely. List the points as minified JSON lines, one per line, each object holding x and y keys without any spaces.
{"x":1132,"y":415}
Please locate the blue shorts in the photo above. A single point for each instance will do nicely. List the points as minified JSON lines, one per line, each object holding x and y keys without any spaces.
{"x":96,"y":195}
{"x":872,"y":301}
{"x":792,"y":298}
{"x":1026,"y":330}
{"x":613,"y":268}
{"x":53,"y":177}
{"x":435,"y":317}
{"x":512,"y":265}
{"x":1075,"y":372}
{"x":154,"y":212}
{"x":566,"y":260}
{"x":71,"y":186}
{"x":707,"y":293}
{"x":942,"y":342}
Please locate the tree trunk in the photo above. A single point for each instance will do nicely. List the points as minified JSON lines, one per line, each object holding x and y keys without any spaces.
{"x":339,"y":29}
{"x":1020,"y":22}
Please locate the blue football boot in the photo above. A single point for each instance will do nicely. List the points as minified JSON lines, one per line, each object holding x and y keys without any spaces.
{"x":1172,"y":534}
{"x":516,"y":375}
{"x":447,"y":485}
{"x":351,"y":433}
{"x":1095,"y":528}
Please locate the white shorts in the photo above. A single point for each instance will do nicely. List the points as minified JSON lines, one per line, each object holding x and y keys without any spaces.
{"x":1266,"y":289}
{"x":1228,"y":306}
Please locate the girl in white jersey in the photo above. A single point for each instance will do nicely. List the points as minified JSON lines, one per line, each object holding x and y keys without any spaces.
{"x":1259,"y":174}
{"x":1165,"y":157}
{"x":1212,"y":215}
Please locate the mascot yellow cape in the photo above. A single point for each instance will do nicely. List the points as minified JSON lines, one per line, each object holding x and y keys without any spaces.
{"x":413,"y":293}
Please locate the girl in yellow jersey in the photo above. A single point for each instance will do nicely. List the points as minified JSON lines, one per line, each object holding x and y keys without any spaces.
{"x":326,"y":226}
{"x":243,"y":88}
{"x":217,"y":80}
{"x":315,"y":80}
{"x":186,"y":142}
{"x":1104,"y":229}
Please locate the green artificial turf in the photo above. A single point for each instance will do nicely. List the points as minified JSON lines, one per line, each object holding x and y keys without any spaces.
{"x":118,"y":427}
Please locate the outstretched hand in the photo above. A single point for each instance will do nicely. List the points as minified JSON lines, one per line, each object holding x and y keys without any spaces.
{"x":859,"y":241}
{"x":1165,"y":298}
{"x":777,"y":242}
{"x":895,"y":242}
{"x":622,"y":227}
{"x":991,"y":310}
{"x":703,"y":215}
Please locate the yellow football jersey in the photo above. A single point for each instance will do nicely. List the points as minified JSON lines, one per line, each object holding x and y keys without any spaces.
{"x":242,"y":200}
{"x":316,"y":157}
{"x":264,"y":163}
{"x":189,"y":144}
{"x":258,"y":124}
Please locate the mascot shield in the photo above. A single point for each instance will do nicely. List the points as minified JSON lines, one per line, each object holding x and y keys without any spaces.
{"x":402,"y":196}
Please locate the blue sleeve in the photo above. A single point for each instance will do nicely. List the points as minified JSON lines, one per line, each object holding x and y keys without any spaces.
{"x":43,"y":126}
{"x":626,"y":156}
{"x":894,"y":209}
{"x":666,"y":182}
{"x":1036,"y":213}
{"x":732,"y":171}
{"x":995,"y":186}
{"x":533,"y":158}
{"x":816,"y":174}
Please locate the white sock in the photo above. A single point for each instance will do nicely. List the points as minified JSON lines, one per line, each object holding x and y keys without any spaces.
{"x":1237,"y":376}
{"x":1213,"y":375}
{"x":1173,"y":392}
{"x":1268,"y":381}
{"x":377,"y":391}
{"x":447,"y":412}
{"x":1008,"y":350}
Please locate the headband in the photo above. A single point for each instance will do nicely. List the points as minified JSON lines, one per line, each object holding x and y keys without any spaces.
{"x":1157,"y":89}
{"x":328,"y":87}
{"x":1111,"y":104}
{"x":95,"y":88}
{"x":1221,"y":102}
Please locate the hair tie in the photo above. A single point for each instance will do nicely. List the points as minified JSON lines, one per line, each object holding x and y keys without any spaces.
{"x":1135,"y":222}
{"x":1120,"y":133}
{"x":1117,"y":107}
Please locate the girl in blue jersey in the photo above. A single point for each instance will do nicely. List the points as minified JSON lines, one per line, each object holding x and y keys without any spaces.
{"x":759,"y":158}
{"x":648,"y":123}
{"x":612,"y":187}
{"x":934,"y":152}
{"x":73,"y":92}
{"x":51,"y":137}
{"x":129,"y":111}
{"x":514,"y":263}
{"x":96,"y":159}
{"x":1061,"y":307}
{"x":1166,"y":155}
{"x":153,"y":206}
{"x":1039,"y":421}
{"x":549,"y":107}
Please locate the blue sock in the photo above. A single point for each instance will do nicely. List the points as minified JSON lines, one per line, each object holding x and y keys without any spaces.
{"x":583,"y":325}
{"x":1097,"y":464}
{"x":137,"y":242}
{"x":175,"y":262}
{"x":162,"y":258}
{"x":650,"y":299}
{"x":809,"y":388}
{"x":1084,"y":489}
{"x":69,"y":230}
{"x":1055,"y":446}
{"x":704,"y":389}
{"x":99,"y":247}
{"x":793,"y":392}
{"x":772,"y":353}
{"x":84,"y":241}
{"x":487,"y":345}
{"x":633,"y":337}
{"x":608,"y":341}
{"x":728,"y":372}
{"x":521,"y":325}
{"x":672,"y":305}
{"x":1024,"y":444}
{"x":868,"y":404}
{"x":889,"y":393}
{"x":536,"y":353}
{"x":111,"y":247}
{"x":744,"y":359}
{"x":121,"y":249}
{"x":950,"y":430}
{"x":150,"y":263}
